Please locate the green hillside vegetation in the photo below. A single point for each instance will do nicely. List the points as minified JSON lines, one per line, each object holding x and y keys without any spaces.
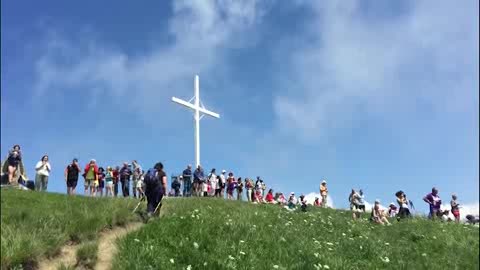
{"x":216,"y":234}
{"x":36,"y":225}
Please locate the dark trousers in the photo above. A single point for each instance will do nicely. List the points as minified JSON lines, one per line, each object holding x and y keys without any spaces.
{"x":125,"y":187}
{"x":115,"y":188}
{"x":403,"y":213}
{"x":154,"y":196}
{"x":187,"y":187}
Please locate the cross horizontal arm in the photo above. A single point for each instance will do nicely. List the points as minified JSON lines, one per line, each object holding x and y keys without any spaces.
{"x":191,"y":106}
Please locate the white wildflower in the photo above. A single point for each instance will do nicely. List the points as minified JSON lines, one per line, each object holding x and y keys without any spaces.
{"x":196,"y":245}
{"x":316,"y":254}
{"x":330,"y":244}
{"x":434,"y":237}
{"x":343,"y":234}
{"x":326,"y":266}
{"x":241,"y":241}
{"x":361,"y":247}
{"x":424,"y":254}
{"x":385,"y":260}
{"x":205,"y":264}
{"x":172,"y":260}
{"x":387,"y":244}
{"x":196,"y":210}
{"x":231,"y":257}
{"x":275,"y":266}
{"x":329,"y":249}
{"x":136,"y":240}
{"x":241,"y":252}
{"x":189,"y":267}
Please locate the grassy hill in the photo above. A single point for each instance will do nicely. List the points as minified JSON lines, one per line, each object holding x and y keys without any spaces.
{"x":204,"y":233}
{"x":214,"y":234}
{"x":36,"y":225}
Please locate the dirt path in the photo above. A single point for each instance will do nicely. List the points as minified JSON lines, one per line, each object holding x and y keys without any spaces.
{"x":106,"y":246}
{"x":106,"y":250}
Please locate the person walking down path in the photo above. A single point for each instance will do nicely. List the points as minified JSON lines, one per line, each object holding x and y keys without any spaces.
{"x":155,"y":188}
{"x":455,"y":208}
{"x":43,"y":169}
{"x":324,"y":193}
{"x":91,"y":177}
{"x":137,"y":172}
{"x":125,"y":174}
{"x":71,"y":176}
{"x":187,"y":181}
{"x":435,"y":203}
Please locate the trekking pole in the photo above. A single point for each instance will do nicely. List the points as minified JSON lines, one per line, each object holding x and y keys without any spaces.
{"x":158,"y":205}
{"x":136,"y":207}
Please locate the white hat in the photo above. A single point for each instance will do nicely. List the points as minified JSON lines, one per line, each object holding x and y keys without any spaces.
{"x":292,"y":193}
{"x":377,"y":201}
{"x":324,"y":182}
{"x":392,"y":203}
{"x":223,"y":171}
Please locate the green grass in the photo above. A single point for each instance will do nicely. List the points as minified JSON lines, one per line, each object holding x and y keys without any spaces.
{"x":215,"y":234}
{"x":37,"y":224}
{"x":87,"y":255}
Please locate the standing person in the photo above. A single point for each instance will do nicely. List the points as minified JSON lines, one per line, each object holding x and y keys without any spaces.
{"x":455,"y":208}
{"x":116,"y":179}
{"x":212,"y":182}
{"x":91,"y":177}
{"x":230,"y":186}
{"x":125,"y":174}
{"x":137,"y":171}
{"x":43,"y":169}
{"x":71,"y":176}
{"x":404,"y":208}
{"x":361,"y":201}
{"x":101,"y":181}
{"x":434,"y":201}
{"x":239,"y":189}
{"x":187,"y":181}
{"x":258,"y":191}
{"x":324,"y":193}
{"x":354,"y":204}
{"x":198,"y":178}
{"x":264,"y":187}
{"x":249,"y":187}
{"x":175,"y":186}
{"x":292,"y":201}
{"x":223,"y":181}
{"x":109,"y":182}
{"x":218,"y":191}
{"x":155,"y":188}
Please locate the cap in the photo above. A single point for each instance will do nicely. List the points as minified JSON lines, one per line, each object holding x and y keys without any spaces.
{"x":223,"y":171}
{"x":324,"y":182}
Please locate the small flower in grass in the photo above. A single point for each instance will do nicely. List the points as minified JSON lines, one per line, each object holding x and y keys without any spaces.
{"x":330,"y":249}
{"x":330,"y":244}
{"x":196,"y":210}
{"x":305,"y":221}
{"x":241,"y":252}
{"x":385,"y":260}
{"x":241,"y":241}
{"x":172,"y":261}
{"x":283,"y":239}
{"x":196,"y":245}
{"x":387,"y":244}
{"x":275,"y":266}
{"x":326,"y":266}
{"x":343,"y":234}
{"x":424,"y":254}
{"x":205,"y":264}
{"x":316,"y":254}
{"x":231,"y":257}
{"x":361,"y":247}
{"x":350,"y":238}
{"x":319,"y":266}
{"x":136,"y":240}
{"x":189,"y":267}
{"x":434,"y":237}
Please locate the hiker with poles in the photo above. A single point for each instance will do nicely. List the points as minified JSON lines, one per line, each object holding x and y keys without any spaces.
{"x":156,"y":186}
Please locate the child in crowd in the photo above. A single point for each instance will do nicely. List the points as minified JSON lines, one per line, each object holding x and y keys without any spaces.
{"x":324,"y":193}
{"x":109,"y":182}
{"x":455,"y":208}
{"x":392,"y":210}
{"x":269,"y":198}
{"x":101,"y":181}
{"x":139,"y":186}
{"x":317,"y":202}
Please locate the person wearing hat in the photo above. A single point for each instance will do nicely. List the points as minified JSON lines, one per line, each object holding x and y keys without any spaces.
{"x":71,"y":176}
{"x":378,"y":215}
{"x":324,"y":193}
{"x":91,"y":177}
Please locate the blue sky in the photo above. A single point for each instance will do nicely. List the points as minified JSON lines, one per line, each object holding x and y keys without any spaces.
{"x":364,"y":94}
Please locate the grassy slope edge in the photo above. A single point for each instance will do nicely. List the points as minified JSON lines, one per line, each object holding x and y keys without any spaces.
{"x":37,"y":224}
{"x":215,"y":234}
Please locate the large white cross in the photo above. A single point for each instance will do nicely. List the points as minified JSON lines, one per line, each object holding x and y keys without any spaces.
{"x":198,"y":107}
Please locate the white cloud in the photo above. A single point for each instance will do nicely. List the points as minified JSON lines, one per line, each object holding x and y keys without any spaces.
{"x":350,"y":63}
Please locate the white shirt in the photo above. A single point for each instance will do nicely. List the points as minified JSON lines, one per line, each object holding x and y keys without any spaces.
{"x":43,"y":170}
{"x":213,"y":181}
{"x":222,"y":178}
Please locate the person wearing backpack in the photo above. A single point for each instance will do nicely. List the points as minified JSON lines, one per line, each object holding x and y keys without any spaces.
{"x":156,"y":186}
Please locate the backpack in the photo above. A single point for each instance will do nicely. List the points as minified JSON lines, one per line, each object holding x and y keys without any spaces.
{"x":151,"y":180}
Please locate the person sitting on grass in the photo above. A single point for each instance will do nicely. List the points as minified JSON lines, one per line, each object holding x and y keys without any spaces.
{"x":392,"y":210}
{"x":471,"y":219}
{"x":378,"y":215}
{"x":281,"y":199}
{"x":317,"y":202}
{"x":402,"y":201}
{"x":292,"y":201}
{"x":455,"y":208}
{"x":303,"y":205}
{"x":269,"y":198}
{"x":434,"y":202}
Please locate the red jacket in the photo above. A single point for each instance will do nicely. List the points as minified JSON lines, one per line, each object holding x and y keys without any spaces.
{"x":269,"y":197}
{"x":95,"y":170}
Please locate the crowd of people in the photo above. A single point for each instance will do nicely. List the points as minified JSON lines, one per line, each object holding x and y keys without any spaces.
{"x":152,"y":185}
